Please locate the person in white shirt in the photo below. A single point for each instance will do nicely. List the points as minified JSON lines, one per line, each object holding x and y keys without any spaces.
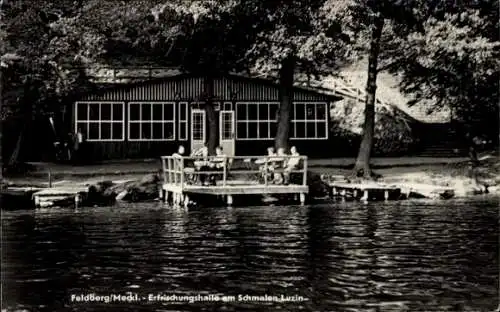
{"x":277,"y":163}
{"x":219,"y":161}
{"x":291,"y":164}
{"x":78,"y":146}
{"x":201,"y":152}
{"x":180,"y":152}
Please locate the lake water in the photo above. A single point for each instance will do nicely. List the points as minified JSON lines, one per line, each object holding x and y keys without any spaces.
{"x":401,"y":256}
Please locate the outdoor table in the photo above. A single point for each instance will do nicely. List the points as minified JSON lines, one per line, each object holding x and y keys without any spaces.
{"x":200,"y":163}
{"x":276,"y":159}
{"x":260,"y":161}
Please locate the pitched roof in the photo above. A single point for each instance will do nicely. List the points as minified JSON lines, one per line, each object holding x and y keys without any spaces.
{"x":113,"y":77}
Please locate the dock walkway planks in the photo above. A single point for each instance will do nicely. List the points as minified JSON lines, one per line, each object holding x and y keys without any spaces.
{"x":238,"y":189}
{"x":230,"y":190}
{"x":365,"y":191}
{"x":47,"y":197}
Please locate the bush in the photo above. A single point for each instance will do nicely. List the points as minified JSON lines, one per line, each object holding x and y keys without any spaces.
{"x":393,"y":134}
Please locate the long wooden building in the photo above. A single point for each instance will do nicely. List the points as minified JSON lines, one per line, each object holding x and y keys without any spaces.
{"x":152,"y":118}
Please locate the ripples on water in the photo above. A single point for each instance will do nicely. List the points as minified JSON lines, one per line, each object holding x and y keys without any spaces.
{"x":406,"y":256}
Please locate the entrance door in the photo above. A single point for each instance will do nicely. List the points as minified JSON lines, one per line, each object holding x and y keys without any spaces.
{"x":226,"y":131}
{"x":198,"y":129}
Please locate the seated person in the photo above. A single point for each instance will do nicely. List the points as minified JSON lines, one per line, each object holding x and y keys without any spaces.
{"x":202,"y":164}
{"x":278,"y":162}
{"x":270,"y":151}
{"x":180,"y":152}
{"x":262,"y":161}
{"x":220,"y":160}
{"x":201,"y":155}
{"x":291,"y":164}
{"x":217,"y":163}
{"x":201,"y":152}
{"x":178,"y":161}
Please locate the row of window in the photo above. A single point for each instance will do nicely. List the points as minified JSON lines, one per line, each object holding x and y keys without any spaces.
{"x":147,"y":121}
{"x":259,"y":121}
{"x":156,"y":121}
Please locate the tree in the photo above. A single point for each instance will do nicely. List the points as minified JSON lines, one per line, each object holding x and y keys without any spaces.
{"x":204,"y":38}
{"x":373,"y":27}
{"x":41,"y":37}
{"x":454,"y":63}
{"x":292,"y":38}
{"x":362,"y":165}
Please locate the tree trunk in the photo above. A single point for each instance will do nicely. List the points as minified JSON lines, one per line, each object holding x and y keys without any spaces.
{"x":362,"y":165}
{"x":1,"y":141}
{"x":211,"y":115}
{"x":286,"y":102}
{"x":1,"y":149}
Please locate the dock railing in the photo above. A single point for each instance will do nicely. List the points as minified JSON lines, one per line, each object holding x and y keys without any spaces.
{"x":185,"y":171}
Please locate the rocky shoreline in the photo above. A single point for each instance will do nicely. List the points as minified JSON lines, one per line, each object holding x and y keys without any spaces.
{"x":462,"y":180}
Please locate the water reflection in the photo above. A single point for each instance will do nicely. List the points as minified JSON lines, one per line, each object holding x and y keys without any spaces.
{"x":408,"y":256}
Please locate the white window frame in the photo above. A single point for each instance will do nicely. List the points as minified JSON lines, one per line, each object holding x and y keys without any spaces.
{"x":141,"y":121}
{"x":257,"y":121}
{"x":99,"y":121}
{"x":315,"y":120}
{"x":183,"y":122}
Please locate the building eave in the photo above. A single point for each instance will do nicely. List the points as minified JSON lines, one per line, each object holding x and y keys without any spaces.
{"x":121,"y":81}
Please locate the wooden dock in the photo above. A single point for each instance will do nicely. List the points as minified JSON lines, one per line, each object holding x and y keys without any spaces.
{"x":61,"y":195}
{"x":365,"y":191}
{"x":181,"y":181}
{"x":372,"y":191}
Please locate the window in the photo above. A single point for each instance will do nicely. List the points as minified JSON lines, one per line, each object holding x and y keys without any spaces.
{"x":151,"y":121}
{"x":259,"y":120}
{"x":100,"y":121}
{"x":198,"y":125}
{"x":256,"y":120}
{"x":309,"y":121}
{"x":183,"y":121}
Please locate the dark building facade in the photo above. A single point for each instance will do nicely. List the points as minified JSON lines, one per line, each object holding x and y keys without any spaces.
{"x":151,"y":118}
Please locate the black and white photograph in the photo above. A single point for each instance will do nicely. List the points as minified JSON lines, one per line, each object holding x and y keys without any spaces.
{"x":250,"y":155}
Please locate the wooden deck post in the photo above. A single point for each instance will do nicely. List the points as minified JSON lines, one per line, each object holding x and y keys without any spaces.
{"x":302,"y":198}
{"x":229,"y":200}
{"x":169,"y":171}
{"x":265,"y":171}
{"x":164,"y":167}
{"x":304,"y":178}
{"x":224,"y":174}
{"x":161,"y":194}
{"x":77,"y":200}
{"x":365,"y":195}
{"x":182,"y":174}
